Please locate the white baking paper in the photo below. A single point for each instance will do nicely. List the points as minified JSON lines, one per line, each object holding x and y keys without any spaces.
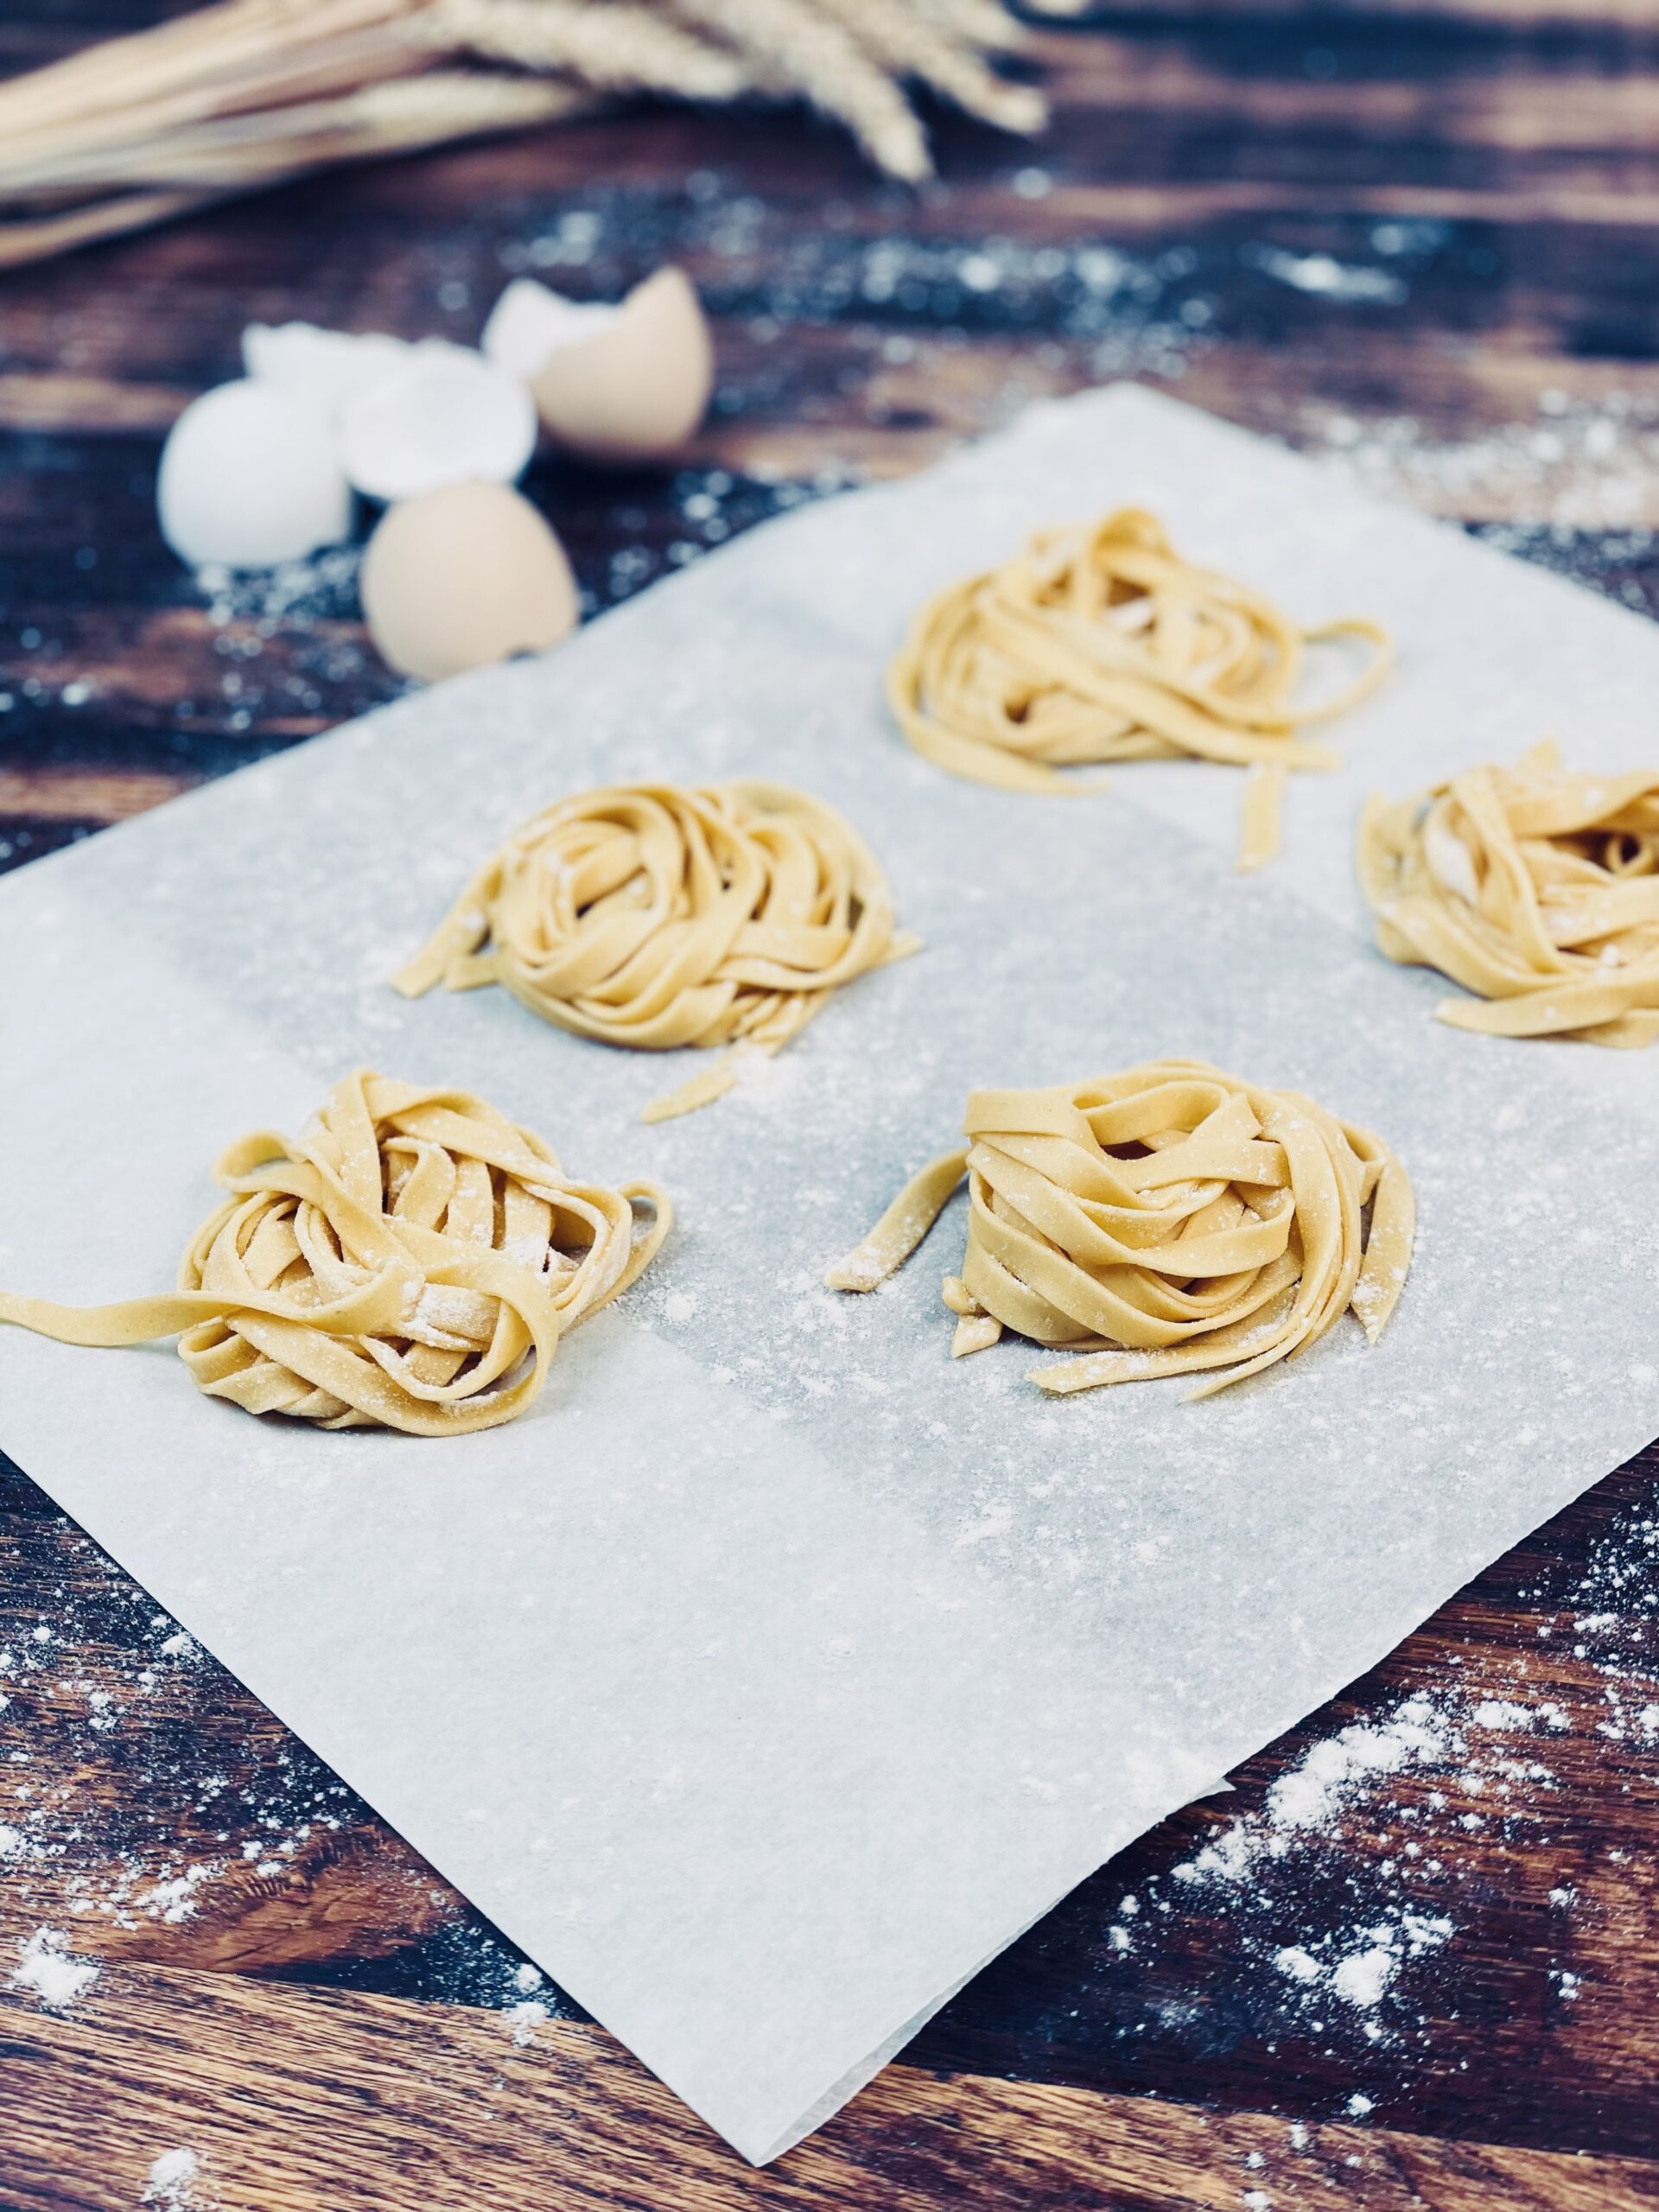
{"x":777,"y":1670}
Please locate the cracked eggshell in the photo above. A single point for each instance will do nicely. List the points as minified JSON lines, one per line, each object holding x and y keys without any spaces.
{"x":463,"y":576}
{"x":446,"y":415}
{"x":328,"y":367}
{"x":248,"y":479}
{"x":528,"y":322}
{"x":633,"y":389}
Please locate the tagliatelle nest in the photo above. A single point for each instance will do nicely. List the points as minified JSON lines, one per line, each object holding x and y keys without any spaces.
{"x":409,"y":1261}
{"x":243,"y":93}
{"x":1101,"y":643}
{"x":1535,"y":889}
{"x":1161,"y":1221}
{"x":656,"y":915}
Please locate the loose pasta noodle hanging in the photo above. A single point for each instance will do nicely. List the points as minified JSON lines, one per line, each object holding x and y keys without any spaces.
{"x":1166,"y":1221}
{"x":655,"y":916}
{"x":410,"y":1260}
{"x":1098,"y":645}
{"x":1535,"y":889}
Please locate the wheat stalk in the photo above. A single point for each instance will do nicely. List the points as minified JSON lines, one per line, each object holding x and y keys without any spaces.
{"x":795,"y":47}
{"x":188,"y":52}
{"x":246,"y":93}
{"x":616,"y":48}
{"x":909,"y":45}
{"x":265,"y":89}
{"x":985,"y":24}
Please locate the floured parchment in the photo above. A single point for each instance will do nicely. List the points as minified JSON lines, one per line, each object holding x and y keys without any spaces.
{"x":777,"y":1670}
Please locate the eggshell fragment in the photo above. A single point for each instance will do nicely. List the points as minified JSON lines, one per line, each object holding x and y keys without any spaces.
{"x":446,"y":415}
{"x":328,"y":367}
{"x":636,"y":389}
{"x":463,"y":576}
{"x":248,"y":479}
{"x":529,"y":322}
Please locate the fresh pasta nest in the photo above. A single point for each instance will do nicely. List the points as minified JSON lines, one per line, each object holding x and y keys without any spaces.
{"x":654,"y":916}
{"x":409,"y":1261}
{"x":1169,"y":1220}
{"x":1101,"y":643}
{"x":1535,"y":889}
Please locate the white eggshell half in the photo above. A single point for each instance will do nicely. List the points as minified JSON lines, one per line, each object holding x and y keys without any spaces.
{"x":636,"y":391}
{"x":463,"y":576}
{"x":248,"y":479}
{"x":447,"y":415}
{"x":529,"y":321}
{"x":327,"y":366}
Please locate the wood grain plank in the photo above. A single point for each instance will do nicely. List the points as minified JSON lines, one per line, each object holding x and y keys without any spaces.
{"x":1526,"y":1846}
{"x":1487,"y":169}
{"x":163,"y":1817}
{"x":1064,"y":295}
{"x":50,"y":400}
{"x":85,"y":795}
{"x":300,"y":2101}
{"x":1530,"y":104}
{"x":1157,"y":136}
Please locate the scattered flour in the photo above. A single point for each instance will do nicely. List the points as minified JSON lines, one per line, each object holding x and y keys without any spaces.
{"x":175,"y":1900}
{"x":1312,"y":1794}
{"x":176,"y":2183}
{"x":1323,"y":275}
{"x":1358,"y":1965}
{"x":524,"y":2018}
{"x":51,"y":1970}
{"x":1360,"y":1978}
{"x":1336,"y":1904}
{"x":1575,"y":464}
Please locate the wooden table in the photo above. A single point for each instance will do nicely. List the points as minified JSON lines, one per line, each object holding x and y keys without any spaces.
{"x":1421,"y":1967}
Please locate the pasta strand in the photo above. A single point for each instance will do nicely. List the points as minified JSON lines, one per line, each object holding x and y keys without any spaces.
{"x":655,"y":916}
{"x":1100,"y":645}
{"x":1170,"y":1220}
{"x":410,"y":1261}
{"x":1536,"y":889}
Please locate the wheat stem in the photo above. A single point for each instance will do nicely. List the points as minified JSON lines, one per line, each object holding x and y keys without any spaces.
{"x":906,"y":45}
{"x":339,"y":65}
{"x":612,"y":48}
{"x":234,"y":151}
{"x":793,"y":48}
{"x":212,"y":43}
{"x":245,"y":91}
{"x":986,"y":24}
{"x":38,"y":237}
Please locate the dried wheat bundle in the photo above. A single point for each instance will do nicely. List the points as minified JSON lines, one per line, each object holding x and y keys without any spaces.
{"x":245,"y":93}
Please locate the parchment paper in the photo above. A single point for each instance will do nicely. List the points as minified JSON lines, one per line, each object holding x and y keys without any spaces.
{"x":778,"y":1671}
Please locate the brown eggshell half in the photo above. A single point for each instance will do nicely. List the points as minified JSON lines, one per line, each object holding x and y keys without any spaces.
{"x":463,"y":576}
{"x":637,"y":390}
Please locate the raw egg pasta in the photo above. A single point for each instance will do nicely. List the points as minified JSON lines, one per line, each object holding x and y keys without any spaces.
{"x":1166,"y":1220}
{"x":1098,"y":645}
{"x":1537,"y":890}
{"x":409,"y":1261}
{"x":655,"y":916}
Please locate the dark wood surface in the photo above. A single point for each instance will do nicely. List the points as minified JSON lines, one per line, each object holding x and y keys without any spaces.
{"x":1423,"y":240}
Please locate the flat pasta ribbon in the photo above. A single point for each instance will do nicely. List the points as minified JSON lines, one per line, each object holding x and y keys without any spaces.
{"x":1535,"y":889}
{"x":1101,"y":643}
{"x":656,"y":916}
{"x":409,"y":1261}
{"x":1161,"y":1221}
